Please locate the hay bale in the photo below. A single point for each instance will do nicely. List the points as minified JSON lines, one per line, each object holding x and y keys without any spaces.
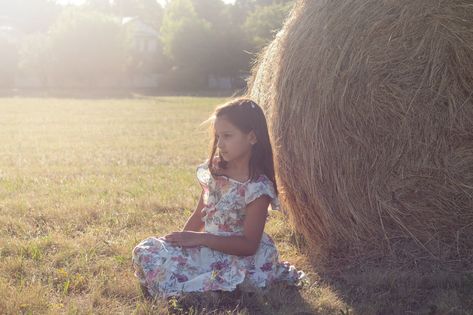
{"x":370,"y":110}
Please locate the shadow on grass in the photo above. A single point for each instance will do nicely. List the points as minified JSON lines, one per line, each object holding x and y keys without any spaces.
{"x":393,"y":288}
{"x":278,"y":299}
{"x":397,"y":284}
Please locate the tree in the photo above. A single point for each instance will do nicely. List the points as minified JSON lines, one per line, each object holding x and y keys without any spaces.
{"x":212,"y":11}
{"x":30,"y":15}
{"x":87,"y":46}
{"x":243,"y":8}
{"x":185,"y":39}
{"x":228,"y":43}
{"x":8,"y":62}
{"x":102,"y":6}
{"x":34,"y":56}
{"x":262,"y":24}
{"x":149,"y":11}
{"x":184,"y":35}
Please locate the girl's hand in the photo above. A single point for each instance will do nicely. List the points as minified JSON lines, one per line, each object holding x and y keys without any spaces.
{"x":185,"y":238}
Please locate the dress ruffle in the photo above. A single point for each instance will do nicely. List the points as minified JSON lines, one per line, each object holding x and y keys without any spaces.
{"x":253,"y":189}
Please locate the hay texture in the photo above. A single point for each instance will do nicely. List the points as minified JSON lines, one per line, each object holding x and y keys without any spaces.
{"x":370,"y":110}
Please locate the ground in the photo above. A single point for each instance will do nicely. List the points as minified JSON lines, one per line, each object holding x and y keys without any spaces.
{"x":83,"y":181}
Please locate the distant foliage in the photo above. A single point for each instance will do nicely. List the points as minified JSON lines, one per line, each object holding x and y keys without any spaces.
{"x":88,"y":43}
{"x":8,"y":62}
{"x":262,"y":24}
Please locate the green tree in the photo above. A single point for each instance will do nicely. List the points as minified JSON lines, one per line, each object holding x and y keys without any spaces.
{"x":8,"y":62}
{"x":34,"y":56}
{"x":263,"y":23}
{"x":185,"y":39}
{"x":243,"y":8}
{"x":212,"y":11}
{"x":102,"y":6}
{"x":184,"y":35}
{"x":87,"y":46}
{"x":30,"y":16}
{"x":149,"y":11}
{"x":228,"y":43}
{"x":209,"y":37}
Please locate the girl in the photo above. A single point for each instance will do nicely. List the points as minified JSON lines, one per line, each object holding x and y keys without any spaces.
{"x":223,"y":245}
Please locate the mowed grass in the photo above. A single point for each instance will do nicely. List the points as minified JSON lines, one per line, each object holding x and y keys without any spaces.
{"x":81,"y":183}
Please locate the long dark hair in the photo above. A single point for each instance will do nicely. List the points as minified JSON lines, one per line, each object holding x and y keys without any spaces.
{"x":247,"y":116}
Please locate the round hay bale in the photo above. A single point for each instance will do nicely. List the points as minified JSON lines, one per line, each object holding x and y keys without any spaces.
{"x":370,"y":110}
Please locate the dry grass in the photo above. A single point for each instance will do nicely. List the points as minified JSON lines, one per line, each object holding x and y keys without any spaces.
{"x":83,"y":181}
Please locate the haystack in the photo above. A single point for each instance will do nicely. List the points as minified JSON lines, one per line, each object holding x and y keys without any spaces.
{"x":370,"y":110}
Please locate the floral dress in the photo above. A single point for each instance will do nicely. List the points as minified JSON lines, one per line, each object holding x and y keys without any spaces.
{"x":167,"y":270}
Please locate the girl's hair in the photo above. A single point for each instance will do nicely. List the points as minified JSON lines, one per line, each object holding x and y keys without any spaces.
{"x":247,"y":116}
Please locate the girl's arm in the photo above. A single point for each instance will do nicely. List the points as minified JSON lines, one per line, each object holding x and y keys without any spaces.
{"x":195,"y":223}
{"x":248,"y":243}
{"x":245,"y":245}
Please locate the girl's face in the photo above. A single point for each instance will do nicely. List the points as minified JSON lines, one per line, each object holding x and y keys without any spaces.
{"x":232,"y":143}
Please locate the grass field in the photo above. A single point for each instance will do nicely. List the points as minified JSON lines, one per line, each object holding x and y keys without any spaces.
{"x":83,"y":181}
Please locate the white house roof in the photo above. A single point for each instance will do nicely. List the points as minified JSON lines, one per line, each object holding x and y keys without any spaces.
{"x":139,"y":27}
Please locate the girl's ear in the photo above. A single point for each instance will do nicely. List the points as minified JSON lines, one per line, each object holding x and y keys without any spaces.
{"x":252,"y":137}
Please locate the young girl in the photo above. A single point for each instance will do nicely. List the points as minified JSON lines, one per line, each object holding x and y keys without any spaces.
{"x":223,"y":244}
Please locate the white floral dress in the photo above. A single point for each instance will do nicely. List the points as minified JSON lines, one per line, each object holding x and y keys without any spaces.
{"x":167,"y":270}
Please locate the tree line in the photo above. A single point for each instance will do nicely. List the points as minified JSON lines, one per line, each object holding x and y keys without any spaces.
{"x":89,"y":43}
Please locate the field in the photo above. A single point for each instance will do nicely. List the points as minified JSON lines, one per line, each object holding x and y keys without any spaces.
{"x":83,"y":181}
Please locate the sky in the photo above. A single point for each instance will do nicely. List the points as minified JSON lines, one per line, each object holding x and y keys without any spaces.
{"x":82,"y":1}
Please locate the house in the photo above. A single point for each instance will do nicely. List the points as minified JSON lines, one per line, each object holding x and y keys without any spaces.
{"x":145,"y":38}
{"x":145,"y":41}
